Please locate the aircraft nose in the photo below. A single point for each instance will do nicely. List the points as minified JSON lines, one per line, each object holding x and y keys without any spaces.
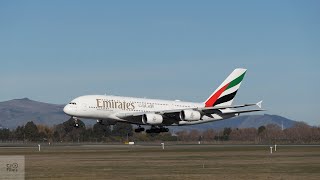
{"x":66,"y":109}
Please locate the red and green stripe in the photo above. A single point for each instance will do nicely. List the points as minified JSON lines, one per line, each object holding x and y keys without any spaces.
{"x":214,"y":99}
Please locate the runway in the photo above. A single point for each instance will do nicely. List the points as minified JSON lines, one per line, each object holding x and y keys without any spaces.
{"x":176,"y":161}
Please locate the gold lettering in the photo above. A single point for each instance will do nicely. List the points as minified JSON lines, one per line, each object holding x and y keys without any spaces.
{"x":108,"y":104}
{"x":120,"y":105}
{"x":98,"y":103}
{"x":115,"y":104}
{"x":124,"y":105}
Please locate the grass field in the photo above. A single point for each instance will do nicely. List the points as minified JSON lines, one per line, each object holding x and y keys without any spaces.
{"x":175,"y":162}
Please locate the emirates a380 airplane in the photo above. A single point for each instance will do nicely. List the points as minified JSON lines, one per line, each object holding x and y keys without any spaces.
{"x":160,"y":113}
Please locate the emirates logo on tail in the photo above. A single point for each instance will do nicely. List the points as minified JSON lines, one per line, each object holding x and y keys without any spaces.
{"x":227,"y":90}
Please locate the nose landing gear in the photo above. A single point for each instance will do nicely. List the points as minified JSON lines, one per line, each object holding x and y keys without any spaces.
{"x":76,"y":123}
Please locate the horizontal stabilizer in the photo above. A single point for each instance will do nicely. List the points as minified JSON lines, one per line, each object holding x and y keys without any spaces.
{"x":244,"y":111}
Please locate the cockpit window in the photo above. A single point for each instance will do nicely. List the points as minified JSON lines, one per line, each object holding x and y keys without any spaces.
{"x":73,"y":103}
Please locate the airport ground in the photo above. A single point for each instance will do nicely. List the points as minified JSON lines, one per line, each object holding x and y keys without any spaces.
{"x":189,"y":161}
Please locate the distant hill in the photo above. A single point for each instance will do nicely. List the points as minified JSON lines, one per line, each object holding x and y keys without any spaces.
{"x":19,"y":111}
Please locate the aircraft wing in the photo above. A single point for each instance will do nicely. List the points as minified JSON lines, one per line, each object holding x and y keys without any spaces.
{"x":244,"y":111}
{"x":172,"y":115}
{"x":215,"y":109}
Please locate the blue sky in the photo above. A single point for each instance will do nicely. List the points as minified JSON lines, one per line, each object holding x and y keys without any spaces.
{"x":53,"y":51}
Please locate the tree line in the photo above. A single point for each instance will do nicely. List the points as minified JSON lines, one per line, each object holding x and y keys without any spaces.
{"x":120,"y":132}
{"x":66,"y":132}
{"x":299,"y":133}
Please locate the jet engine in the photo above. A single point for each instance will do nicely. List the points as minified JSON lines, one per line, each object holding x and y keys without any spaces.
{"x":190,"y":115}
{"x":152,"y":119}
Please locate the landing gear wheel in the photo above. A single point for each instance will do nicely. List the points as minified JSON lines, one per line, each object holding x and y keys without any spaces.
{"x":139,"y":129}
{"x":76,"y":124}
{"x":155,"y":129}
{"x":163,"y":129}
{"x":100,"y":121}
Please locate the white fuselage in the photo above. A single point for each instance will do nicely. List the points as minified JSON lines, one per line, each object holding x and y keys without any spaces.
{"x":108,"y":107}
{"x":159,"y":113}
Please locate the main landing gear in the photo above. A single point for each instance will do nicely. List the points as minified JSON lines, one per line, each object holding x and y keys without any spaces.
{"x":153,"y":129}
{"x":139,"y":129}
{"x":100,"y":121}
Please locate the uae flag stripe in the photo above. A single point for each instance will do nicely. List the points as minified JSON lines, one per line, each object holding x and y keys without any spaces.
{"x":236,"y":81}
{"x":216,"y":99}
{"x":225,"y":98}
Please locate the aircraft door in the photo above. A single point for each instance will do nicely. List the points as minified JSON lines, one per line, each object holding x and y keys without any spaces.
{"x":84,"y":107}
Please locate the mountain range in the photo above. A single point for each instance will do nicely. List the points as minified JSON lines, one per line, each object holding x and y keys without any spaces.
{"x":18,"y":112}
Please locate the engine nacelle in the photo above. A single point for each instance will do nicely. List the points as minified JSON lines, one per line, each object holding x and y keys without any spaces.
{"x":190,"y":115}
{"x":152,"y":119}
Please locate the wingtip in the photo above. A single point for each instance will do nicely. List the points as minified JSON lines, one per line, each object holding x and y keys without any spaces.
{"x":259,"y":104}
